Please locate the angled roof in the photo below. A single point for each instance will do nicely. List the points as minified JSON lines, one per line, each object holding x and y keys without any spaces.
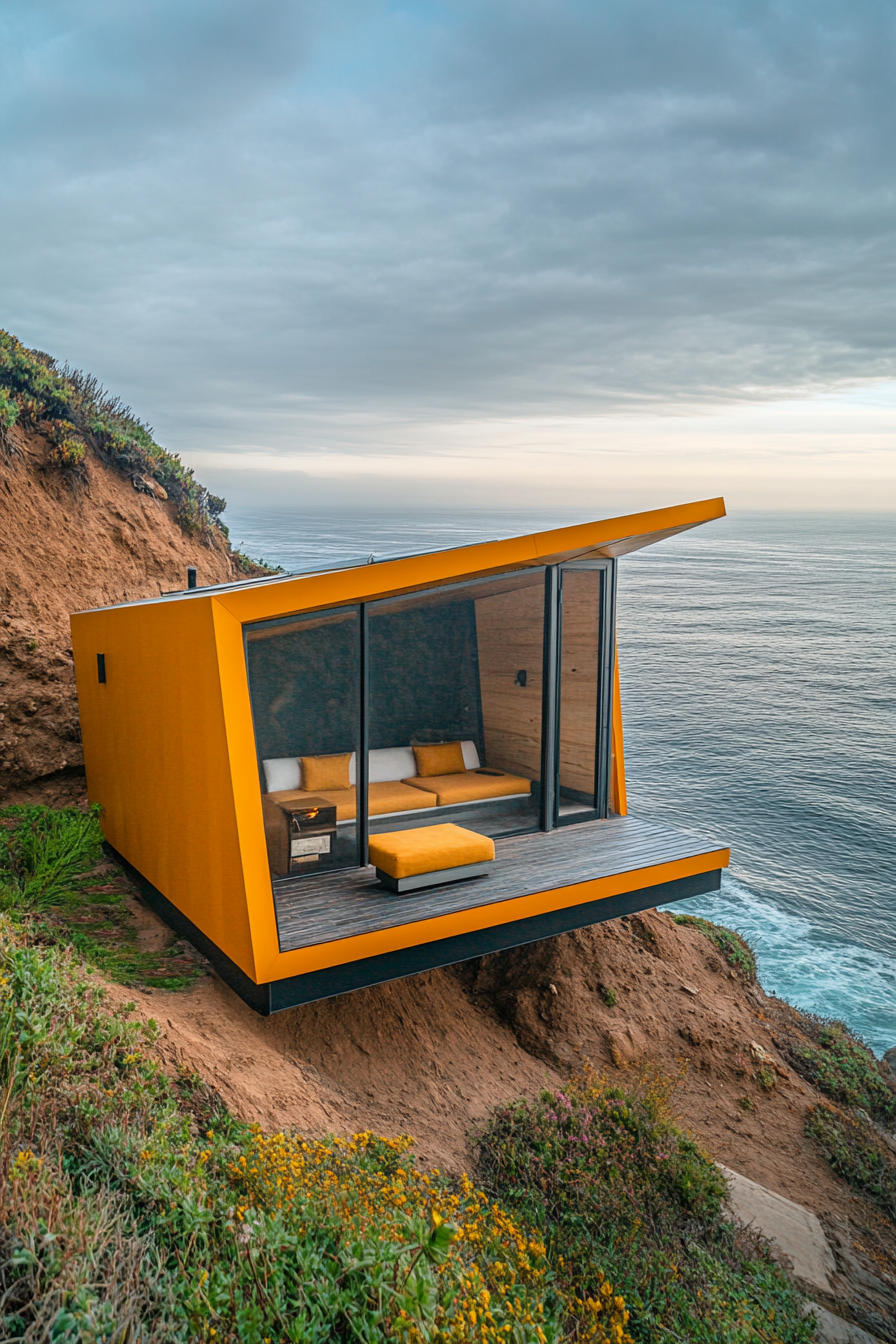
{"x":277,"y":595}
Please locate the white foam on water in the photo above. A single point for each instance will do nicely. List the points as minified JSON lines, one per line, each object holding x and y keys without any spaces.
{"x":804,"y":965}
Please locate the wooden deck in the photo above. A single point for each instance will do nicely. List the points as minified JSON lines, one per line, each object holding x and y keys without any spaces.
{"x":312,"y":910}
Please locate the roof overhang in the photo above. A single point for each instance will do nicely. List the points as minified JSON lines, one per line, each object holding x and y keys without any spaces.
{"x":281,"y":595}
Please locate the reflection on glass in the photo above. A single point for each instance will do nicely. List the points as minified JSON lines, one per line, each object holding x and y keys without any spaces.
{"x":304,"y":684}
{"x":455,"y":679}
{"x":579,"y":663}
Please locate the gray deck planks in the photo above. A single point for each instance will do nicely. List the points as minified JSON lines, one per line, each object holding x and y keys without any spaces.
{"x":322,"y":909}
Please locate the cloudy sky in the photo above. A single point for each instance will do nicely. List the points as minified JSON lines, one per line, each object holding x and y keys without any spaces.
{"x":487,"y":251}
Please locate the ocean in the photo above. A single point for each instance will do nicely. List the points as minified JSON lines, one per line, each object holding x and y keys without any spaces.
{"x":756,"y":665}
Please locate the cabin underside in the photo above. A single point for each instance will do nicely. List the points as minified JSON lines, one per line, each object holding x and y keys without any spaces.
{"x":541,"y":885}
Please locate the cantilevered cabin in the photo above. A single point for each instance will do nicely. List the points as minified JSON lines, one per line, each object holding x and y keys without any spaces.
{"x":249,"y":742}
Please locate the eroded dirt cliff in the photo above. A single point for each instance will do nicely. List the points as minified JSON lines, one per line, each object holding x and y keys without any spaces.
{"x":66,"y":545}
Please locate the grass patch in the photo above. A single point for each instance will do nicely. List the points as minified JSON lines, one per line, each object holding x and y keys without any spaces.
{"x":735,"y":949}
{"x":135,"y":1207}
{"x":840,"y":1065}
{"x":617,"y":1189}
{"x":856,"y":1153}
{"x":54,"y":880}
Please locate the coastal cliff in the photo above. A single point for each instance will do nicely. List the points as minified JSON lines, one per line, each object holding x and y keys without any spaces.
{"x":85,"y":521}
{"x":756,"y":1082}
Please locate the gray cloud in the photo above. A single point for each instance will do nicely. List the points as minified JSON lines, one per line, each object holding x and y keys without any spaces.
{"x":234,"y":212}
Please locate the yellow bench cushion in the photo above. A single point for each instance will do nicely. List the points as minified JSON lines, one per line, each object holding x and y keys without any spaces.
{"x":381,"y":798}
{"x":428,"y":849}
{"x":470,"y":787}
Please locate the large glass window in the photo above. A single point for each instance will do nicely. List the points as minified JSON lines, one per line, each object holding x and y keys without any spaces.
{"x":441,"y":696}
{"x":304,"y":685}
{"x":455,"y":706}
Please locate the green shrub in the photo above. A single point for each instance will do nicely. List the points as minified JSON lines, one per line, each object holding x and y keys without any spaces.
{"x":733,"y":947}
{"x":9,"y":411}
{"x":841,"y":1066}
{"x":9,"y":414}
{"x":856,"y":1153}
{"x":67,"y":449}
{"x":135,"y":1207}
{"x":616,"y":1187}
{"x":44,"y":853}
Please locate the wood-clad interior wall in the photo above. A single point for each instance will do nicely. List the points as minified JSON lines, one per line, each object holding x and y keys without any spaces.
{"x":510,"y":638}
{"x":579,"y":647}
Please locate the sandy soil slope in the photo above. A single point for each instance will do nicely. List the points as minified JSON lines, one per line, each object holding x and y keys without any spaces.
{"x":61,"y":550}
{"x":431,"y":1055}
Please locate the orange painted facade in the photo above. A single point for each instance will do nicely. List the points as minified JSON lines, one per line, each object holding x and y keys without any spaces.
{"x":170,"y":748}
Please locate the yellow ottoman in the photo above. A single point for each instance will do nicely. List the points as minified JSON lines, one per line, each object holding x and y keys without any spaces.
{"x":427,"y":856}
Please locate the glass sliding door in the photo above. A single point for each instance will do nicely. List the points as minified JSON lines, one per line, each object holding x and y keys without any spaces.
{"x":455,"y":702}
{"x":305,"y":688}
{"x":583,"y":692}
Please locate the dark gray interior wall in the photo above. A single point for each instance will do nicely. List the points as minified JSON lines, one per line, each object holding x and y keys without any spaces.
{"x":424,"y":675}
{"x":304,"y":684}
{"x":304,"y":681}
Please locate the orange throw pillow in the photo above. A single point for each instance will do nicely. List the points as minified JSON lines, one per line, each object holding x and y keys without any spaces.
{"x":325,"y":772}
{"x":443,"y":758}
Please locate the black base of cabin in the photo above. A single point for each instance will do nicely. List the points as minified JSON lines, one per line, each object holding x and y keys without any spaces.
{"x":277,"y":995}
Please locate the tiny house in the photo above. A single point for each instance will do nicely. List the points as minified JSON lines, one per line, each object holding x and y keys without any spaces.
{"x":332,"y":779}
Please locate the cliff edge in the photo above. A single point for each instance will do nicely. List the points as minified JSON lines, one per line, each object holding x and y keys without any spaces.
{"x":92,"y":512}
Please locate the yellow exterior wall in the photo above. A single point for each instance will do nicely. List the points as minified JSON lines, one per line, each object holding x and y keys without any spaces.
{"x":618,"y":802}
{"x":157,"y":759}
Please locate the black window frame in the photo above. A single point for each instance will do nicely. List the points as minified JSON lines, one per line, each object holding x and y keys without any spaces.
{"x":550,"y":818}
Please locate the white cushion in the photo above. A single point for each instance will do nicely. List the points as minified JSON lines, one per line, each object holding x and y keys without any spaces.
{"x":383,"y":766}
{"x":283,"y":773}
{"x":391,"y":763}
{"x":471,"y":755}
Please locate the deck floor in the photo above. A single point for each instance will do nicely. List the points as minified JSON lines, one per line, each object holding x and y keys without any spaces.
{"x":322,"y":909}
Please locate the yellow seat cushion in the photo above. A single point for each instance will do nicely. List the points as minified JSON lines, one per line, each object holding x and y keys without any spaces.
{"x":325,"y":772}
{"x":470,"y":787}
{"x":428,"y":849}
{"x":381,"y":798}
{"x":439,"y":758}
{"x":391,"y":796}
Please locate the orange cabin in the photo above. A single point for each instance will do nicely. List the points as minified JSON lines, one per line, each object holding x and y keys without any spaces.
{"x":255,"y":745}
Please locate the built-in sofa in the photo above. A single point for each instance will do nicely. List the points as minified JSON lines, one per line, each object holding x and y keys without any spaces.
{"x":394,"y":786}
